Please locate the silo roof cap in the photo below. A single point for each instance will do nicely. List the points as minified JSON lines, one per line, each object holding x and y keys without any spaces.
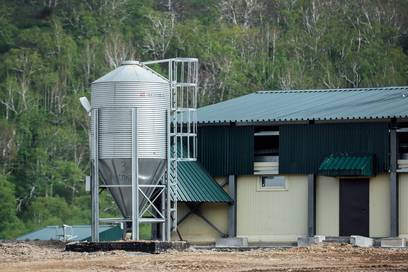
{"x":132,"y":70}
{"x":130,"y":62}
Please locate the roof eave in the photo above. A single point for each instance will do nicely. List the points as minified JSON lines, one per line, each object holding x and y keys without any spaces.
{"x":306,"y":121}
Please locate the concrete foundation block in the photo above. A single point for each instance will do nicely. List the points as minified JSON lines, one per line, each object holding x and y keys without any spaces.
{"x":232,"y":242}
{"x":337,"y":239}
{"x":361,"y":241}
{"x":393,"y":242}
{"x":139,"y":246}
{"x":319,"y":238}
{"x":304,"y":241}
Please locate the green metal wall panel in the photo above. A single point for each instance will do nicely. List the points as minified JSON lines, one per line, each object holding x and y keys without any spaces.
{"x":302,"y":148}
{"x":225,"y":150}
{"x":212,"y":145}
{"x":241,"y":150}
{"x":112,"y":234}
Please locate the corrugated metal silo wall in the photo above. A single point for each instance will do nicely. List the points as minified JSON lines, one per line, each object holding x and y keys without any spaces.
{"x":226,"y":150}
{"x":303,"y":147}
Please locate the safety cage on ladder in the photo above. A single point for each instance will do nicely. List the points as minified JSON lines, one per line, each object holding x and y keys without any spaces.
{"x":182,"y":124}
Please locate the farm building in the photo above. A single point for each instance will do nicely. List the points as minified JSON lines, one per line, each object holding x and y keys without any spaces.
{"x":296,"y":163}
{"x":72,"y":233}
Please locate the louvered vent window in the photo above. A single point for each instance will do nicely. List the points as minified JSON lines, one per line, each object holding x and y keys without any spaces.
{"x":403,"y":149}
{"x":266,"y":151}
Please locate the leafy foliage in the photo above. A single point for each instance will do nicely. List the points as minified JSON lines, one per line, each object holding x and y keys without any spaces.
{"x":10,"y":223}
{"x":50,"y":52}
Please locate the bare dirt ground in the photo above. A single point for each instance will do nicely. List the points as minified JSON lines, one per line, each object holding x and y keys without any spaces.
{"x":40,"y":256}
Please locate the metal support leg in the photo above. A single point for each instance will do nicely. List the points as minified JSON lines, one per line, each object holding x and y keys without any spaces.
{"x":95,"y":180}
{"x":311,"y":205}
{"x":163,"y":208}
{"x":167,"y":233}
{"x":394,"y":183}
{"x":232,"y":211}
{"x":135,"y":179}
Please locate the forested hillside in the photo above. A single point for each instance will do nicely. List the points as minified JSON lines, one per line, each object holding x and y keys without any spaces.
{"x":51,"y":50}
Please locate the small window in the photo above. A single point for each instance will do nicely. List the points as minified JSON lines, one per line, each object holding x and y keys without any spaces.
{"x":273,"y":182}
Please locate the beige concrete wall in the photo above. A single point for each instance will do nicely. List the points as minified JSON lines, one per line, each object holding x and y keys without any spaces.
{"x":279,"y":215}
{"x":380,"y":206}
{"x":403,"y":205}
{"x":222,"y":181}
{"x":195,"y":229}
{"x":327,"y":206}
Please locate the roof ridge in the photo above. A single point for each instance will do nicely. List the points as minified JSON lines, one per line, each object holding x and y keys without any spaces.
{"x":333,"y":90}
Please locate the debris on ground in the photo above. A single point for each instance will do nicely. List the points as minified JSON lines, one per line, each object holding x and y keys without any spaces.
{"x":50,"y":256}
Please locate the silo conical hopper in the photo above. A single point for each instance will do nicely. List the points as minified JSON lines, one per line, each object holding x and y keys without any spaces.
{"x":131,"y":85}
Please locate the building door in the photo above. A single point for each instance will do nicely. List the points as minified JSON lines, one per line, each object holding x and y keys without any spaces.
{"x":354,"y":207}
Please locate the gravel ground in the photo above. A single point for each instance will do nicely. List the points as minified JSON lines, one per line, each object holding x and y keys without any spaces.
{"x":50,"y":256}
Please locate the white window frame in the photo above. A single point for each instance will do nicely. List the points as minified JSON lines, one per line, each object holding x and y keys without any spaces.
{"x":273,"y":189}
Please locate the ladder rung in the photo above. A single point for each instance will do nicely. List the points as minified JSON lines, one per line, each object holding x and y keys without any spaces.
{"x":115,"y":186}
{"x":183,"y":134}
{"x":183,"y":109}
{"x":151,"y":186}
{"x":181,"y":159}
{"x":151,"y":220}
{"x":114,"y":220}
{"x":185,"y":84}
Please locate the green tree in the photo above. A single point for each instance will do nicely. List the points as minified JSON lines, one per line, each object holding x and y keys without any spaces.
{"x":10,"y":224}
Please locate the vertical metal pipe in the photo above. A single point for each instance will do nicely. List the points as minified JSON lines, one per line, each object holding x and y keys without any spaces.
{"x":394,"y":183}
{"x":135,"y":178}
{"x":311,"y":205}
{"x":163,"y":210}
{"x":95,"y":179}
{"x":166,"y":234}
{"x":232,"y":211}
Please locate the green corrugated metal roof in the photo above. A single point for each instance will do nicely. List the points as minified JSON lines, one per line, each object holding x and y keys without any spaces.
{"x":196,"y":185}
{"x":295,"y":105}
{"x":347,"y":165}
{"x":76,"y":233}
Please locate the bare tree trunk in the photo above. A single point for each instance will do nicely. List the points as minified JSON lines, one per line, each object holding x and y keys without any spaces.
{"x":117,"y":50}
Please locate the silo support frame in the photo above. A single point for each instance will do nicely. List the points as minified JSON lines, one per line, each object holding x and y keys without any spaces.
{"x":148,"y":213}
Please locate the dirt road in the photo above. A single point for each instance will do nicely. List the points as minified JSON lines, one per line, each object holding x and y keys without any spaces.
{"x":51,"y":257}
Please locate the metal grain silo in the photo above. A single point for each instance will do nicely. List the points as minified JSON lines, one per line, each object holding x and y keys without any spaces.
{"x":142,"y":125}
{"x":130,"y":92}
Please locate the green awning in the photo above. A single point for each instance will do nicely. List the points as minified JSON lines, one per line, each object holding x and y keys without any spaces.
{"x":196,"y":185}
{"x":347,"y":165}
